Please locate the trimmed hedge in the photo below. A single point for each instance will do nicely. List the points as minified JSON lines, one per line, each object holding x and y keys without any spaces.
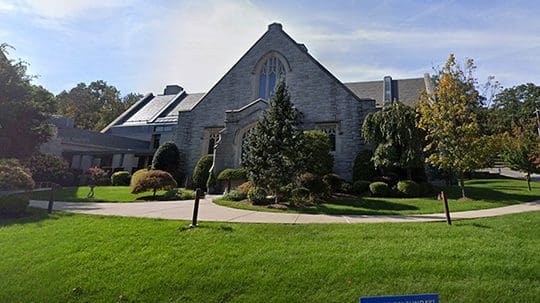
{"x":380,"y":189}
{"x":408,"y":189}
{"x":360,"y":187}
{"x":257,"y":196}
{"x":232,"y":174}
{"x":201,"y":172}
{"x":234,"y":195}
{"x":168,"y":158}
{"x":14,"y":176}
{"x":120,"y":178}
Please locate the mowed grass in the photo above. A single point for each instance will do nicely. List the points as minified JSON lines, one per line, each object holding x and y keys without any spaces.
{"x":82,"y":258}
{"x":101,"y":194}
{"x":487,"y":193}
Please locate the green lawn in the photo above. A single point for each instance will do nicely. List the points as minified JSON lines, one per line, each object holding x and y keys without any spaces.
{"x":101,"y":194}
{"x":83,"y":258}
{"x":488,"y":193}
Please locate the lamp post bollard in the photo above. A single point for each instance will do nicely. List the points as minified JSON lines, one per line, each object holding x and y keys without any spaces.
{"x":446,"y":209}
{"x":198,"y":194}
{"x":51,"y":198}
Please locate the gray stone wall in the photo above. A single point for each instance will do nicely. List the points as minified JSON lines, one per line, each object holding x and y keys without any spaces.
{"x":314,"y":91}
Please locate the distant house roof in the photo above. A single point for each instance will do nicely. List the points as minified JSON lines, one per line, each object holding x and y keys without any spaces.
{"x":157,"y":109}
{"x":404,"y":90}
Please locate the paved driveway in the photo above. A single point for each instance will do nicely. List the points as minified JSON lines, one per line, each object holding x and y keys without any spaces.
{"x":208,"y":211}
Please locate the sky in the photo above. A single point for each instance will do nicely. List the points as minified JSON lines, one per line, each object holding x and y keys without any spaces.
{"x":141,"y":46}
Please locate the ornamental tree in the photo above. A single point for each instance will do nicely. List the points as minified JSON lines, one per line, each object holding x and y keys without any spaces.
{"x":272,"y":158}
{"x":521,"y":151}
{"x":168,"y":158}
{"x":398,"y":139}
{"x":447,"y":116}
{"x":153,"y":180}
{"x":230,"y":174}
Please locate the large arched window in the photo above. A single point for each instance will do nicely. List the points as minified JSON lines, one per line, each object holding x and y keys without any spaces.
{"x":271,"y":73}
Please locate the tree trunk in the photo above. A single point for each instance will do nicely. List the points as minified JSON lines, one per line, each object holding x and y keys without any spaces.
{"x":276,"y":193}
{"x":154,"y":193}
{"x":229,"y":185}
{"x":409,"y":173}
{"x":462,"y":185}
{"x":528,"y":178}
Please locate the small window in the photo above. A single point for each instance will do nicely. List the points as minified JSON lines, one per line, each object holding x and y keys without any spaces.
{"x":155,"y":140}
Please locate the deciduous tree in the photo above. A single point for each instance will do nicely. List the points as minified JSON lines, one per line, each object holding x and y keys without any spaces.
{"x":521,"y":151}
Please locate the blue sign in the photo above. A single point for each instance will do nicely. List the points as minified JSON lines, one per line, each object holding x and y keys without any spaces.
{"x":425,"y":298}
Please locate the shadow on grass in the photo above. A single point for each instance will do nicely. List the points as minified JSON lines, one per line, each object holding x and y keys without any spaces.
{"x":32,"y":215}
{"x":365,"y":202}
{"x":207,"y":227}
{"x":495,"y":193}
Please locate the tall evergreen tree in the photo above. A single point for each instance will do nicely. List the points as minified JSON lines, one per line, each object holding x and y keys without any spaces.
{"x":272,"y":157}
{"x":167,"y":158}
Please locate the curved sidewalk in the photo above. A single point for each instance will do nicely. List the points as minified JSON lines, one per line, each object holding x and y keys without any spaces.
{"x":208,"y":211}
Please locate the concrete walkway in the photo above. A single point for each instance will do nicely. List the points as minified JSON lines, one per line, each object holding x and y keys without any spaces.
{"x":208,"y":211}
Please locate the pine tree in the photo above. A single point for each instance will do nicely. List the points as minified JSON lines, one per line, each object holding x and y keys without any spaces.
{"x":272,"y":157}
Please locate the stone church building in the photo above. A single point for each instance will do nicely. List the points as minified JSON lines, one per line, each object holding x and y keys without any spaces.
{"x":219,"y":121}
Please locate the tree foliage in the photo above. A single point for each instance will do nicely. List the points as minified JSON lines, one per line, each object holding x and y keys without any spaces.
{"x":398,"y":139}
{"x":153,"y":180}
{"x":201,"y":172}
{"x":14,"y":176}
{"x":514,"y":108}
{"x":521,"y":152}
{"x":363,"y":169}
{"x":272,"y":156}
{"x":447,"y":115}
{"x":316,"y":149}
{"x":95,"y":105}
{"x":49,"y":168}
{"x":168,"y":158}
{"x":25,"y":108}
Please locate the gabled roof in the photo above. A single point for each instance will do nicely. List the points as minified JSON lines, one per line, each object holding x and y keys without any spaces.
{"x":405,"y":90}
{"x":156,"y":109}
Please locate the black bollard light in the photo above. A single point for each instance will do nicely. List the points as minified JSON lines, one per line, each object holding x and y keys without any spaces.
{"x":198,"y":193}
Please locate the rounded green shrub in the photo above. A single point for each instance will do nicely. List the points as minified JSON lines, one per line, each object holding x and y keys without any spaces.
{"x":380,"y":189}
{"x":408,"y":189}
{"x":360,"y":187}
{"x":201,"y":172}
{"x":50,"y":168}
{"x":257,"y":196}
{"x":230,"y":174}
{"x":234,"y":195}
{"x":313,"y":183}
{"x":12,"y":205}
{"x":120,"y":178}
{"x":333,"y":182}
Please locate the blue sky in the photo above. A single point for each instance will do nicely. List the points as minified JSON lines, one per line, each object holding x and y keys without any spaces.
{"x":140,"y":46}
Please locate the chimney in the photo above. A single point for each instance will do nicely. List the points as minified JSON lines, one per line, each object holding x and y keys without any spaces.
{"x":275,"y":26}
{"x":172,"y":89}
{"x":388,"y":91}
{"x":428,"y":83}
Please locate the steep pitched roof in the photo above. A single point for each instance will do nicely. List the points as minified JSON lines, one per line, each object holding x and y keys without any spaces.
{"x":405,"y":90}
{"x":157,"y":109}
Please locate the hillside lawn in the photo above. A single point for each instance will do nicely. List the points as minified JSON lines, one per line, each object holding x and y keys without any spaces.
{"x":83,"y":258}
{"x":487,"y":193}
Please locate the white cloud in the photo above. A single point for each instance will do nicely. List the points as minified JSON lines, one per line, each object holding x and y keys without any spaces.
{"x":60,"y":9}
{"x":198,"y":42}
